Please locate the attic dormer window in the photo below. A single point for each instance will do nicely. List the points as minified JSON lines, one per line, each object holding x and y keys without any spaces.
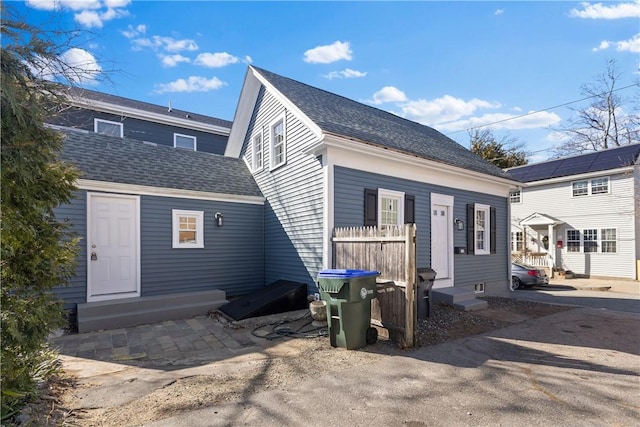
{"x":278,"y":144}
{"x":187,"y":142}
{"x":106,"y":127}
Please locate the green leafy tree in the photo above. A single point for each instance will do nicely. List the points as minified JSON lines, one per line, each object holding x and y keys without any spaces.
{"x":37,"y":251}
{"x":504,"y":153}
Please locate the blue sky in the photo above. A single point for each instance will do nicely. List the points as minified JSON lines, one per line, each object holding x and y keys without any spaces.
{"x":450,"y":65}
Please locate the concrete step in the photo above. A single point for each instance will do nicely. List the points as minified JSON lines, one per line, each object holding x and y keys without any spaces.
{"x":471,"y":305}
{"x":121,"y":313}
{"x":452,"y":295}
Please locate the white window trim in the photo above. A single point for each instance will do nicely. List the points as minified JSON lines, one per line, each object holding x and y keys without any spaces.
{"x":254,"y":153}
{"x":519,"y":202}
{"x":590,"y":186}
{"x":272,"y":164}
{"x":390,"y":194}
{"x":175,"y":142}
{"x":599,"y":241}
{"x":96,"y":121}
{"x":487,"y":230}
{"x":199,"y":215}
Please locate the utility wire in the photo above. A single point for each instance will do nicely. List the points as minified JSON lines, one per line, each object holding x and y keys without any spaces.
{"x":540,"y":111}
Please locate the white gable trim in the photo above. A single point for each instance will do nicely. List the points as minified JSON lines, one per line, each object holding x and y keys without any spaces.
{"x":539,"y":219}
{"x":368,"y":158}
{"x":144,"y":190}
{"x":248,"y":96}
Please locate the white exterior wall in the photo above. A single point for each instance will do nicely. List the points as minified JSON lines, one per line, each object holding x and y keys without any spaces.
{"x":618,"y":210}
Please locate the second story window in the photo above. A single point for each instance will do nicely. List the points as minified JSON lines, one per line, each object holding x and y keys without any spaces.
{"x":184,"y":141}
{"x":106,"y":127}
{"x":278,"y":144}
{"x":593,"y":186}
{"x":258,"y":152}
{"x":515,"y":196}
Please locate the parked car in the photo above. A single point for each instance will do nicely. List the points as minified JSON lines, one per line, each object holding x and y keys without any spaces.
{"x":526,"y":276}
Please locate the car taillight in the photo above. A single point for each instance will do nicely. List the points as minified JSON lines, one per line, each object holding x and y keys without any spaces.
{"x":535,"y":273}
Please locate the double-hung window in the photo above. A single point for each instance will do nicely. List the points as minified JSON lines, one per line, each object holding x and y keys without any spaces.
{"x":516,"y":241}
{"x":278,"y":146}
{"x":390,"y":209}
{"x":106,"y":127}
{"x":257,"y":150}
{"x":188,"y":229}
{"x":482,"y":229}
{"x":187,"y":142}
{"x":586,"y":187}
{"x":592,"y":240}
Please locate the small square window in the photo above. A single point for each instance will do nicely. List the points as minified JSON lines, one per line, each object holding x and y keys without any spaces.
{"x":515,"y":196}
{"x":184,"y":141}
{"x":188,"y":229}
{"x":106,"y":127}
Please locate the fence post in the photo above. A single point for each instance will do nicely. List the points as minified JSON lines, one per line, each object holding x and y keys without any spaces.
{"x":411,"y":289}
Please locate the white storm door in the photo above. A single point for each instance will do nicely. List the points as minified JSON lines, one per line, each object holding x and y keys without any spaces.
{"x":442,"y":240}
{"x":113,"y":254}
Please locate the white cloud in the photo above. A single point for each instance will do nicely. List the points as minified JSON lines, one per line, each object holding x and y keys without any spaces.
{"x":132,"y":32}
{"x":388,"y":94}
{"x":248,"y":59}
{"x":444,"y":109}
{"x":533,"y":120}
{"x":215,"y":60}
{"x":328,"y":53}
{"x":76,"y":66}
{"x":191,"y":84}
{"x":601,"y":11}
{"x":89,"y":13}
{"x":347,"y":73}
{"x":168,"y":44}
{"x":631,"y":45}
{"x":172,"y":60}
{"x":498,"y":12}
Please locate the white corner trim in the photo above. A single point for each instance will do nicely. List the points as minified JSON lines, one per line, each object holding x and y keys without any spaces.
{"x":143,"y":190}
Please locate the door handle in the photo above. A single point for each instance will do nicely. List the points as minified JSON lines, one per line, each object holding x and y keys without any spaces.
{"x":94,"y":256}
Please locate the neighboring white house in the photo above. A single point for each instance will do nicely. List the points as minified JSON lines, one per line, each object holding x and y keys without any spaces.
{"x":580,"y":214}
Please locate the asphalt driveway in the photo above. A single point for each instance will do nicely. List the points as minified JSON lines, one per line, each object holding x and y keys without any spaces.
{"x":579,"y":367}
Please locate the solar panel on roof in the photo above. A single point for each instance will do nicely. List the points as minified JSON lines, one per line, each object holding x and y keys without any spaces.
{"x":542,"y":171}
{"x":575,"y":165}
{"x":615,"y":158}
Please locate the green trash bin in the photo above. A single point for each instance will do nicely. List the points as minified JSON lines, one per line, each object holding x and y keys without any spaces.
{"x":348,"y":294}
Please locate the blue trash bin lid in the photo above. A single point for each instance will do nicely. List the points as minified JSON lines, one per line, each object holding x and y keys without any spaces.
{"x":345,"y":274}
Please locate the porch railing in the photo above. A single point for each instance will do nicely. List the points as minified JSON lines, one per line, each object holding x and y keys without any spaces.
{"x":533,"y":259}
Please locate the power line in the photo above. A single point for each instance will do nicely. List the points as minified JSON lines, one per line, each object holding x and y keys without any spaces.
{"x":541,"y":111}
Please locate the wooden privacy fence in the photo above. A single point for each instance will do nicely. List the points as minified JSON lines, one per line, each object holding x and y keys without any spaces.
{"x":392,"y":252}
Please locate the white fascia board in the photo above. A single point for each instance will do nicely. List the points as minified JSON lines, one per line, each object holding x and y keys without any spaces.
{"x":579,"y":177}
{"x":360,"y":156}
{"x":108,"y":107}
{"x":145,"y":190}
{"x":242,"y":117}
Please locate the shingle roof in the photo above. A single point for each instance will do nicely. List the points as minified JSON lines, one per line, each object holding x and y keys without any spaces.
{"x":145,"y":106}
{"x":127,"y":161}
{"x":342,"y":116}
{"x":612,"y":158}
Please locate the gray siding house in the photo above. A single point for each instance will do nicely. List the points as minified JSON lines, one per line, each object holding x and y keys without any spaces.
{"x":324,"y":161}
{"x":122,"y":117}
{"x":163,"y":232}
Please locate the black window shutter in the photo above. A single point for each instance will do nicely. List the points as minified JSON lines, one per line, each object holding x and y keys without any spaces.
{"x":492,"y":222}
{"x":370,"y":207}
{"x":409,"y":209}
{"x":471,"y":228}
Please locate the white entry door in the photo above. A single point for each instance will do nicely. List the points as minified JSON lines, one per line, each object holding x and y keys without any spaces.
{"x":442,"y":240}
{"x":113,"y":238}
